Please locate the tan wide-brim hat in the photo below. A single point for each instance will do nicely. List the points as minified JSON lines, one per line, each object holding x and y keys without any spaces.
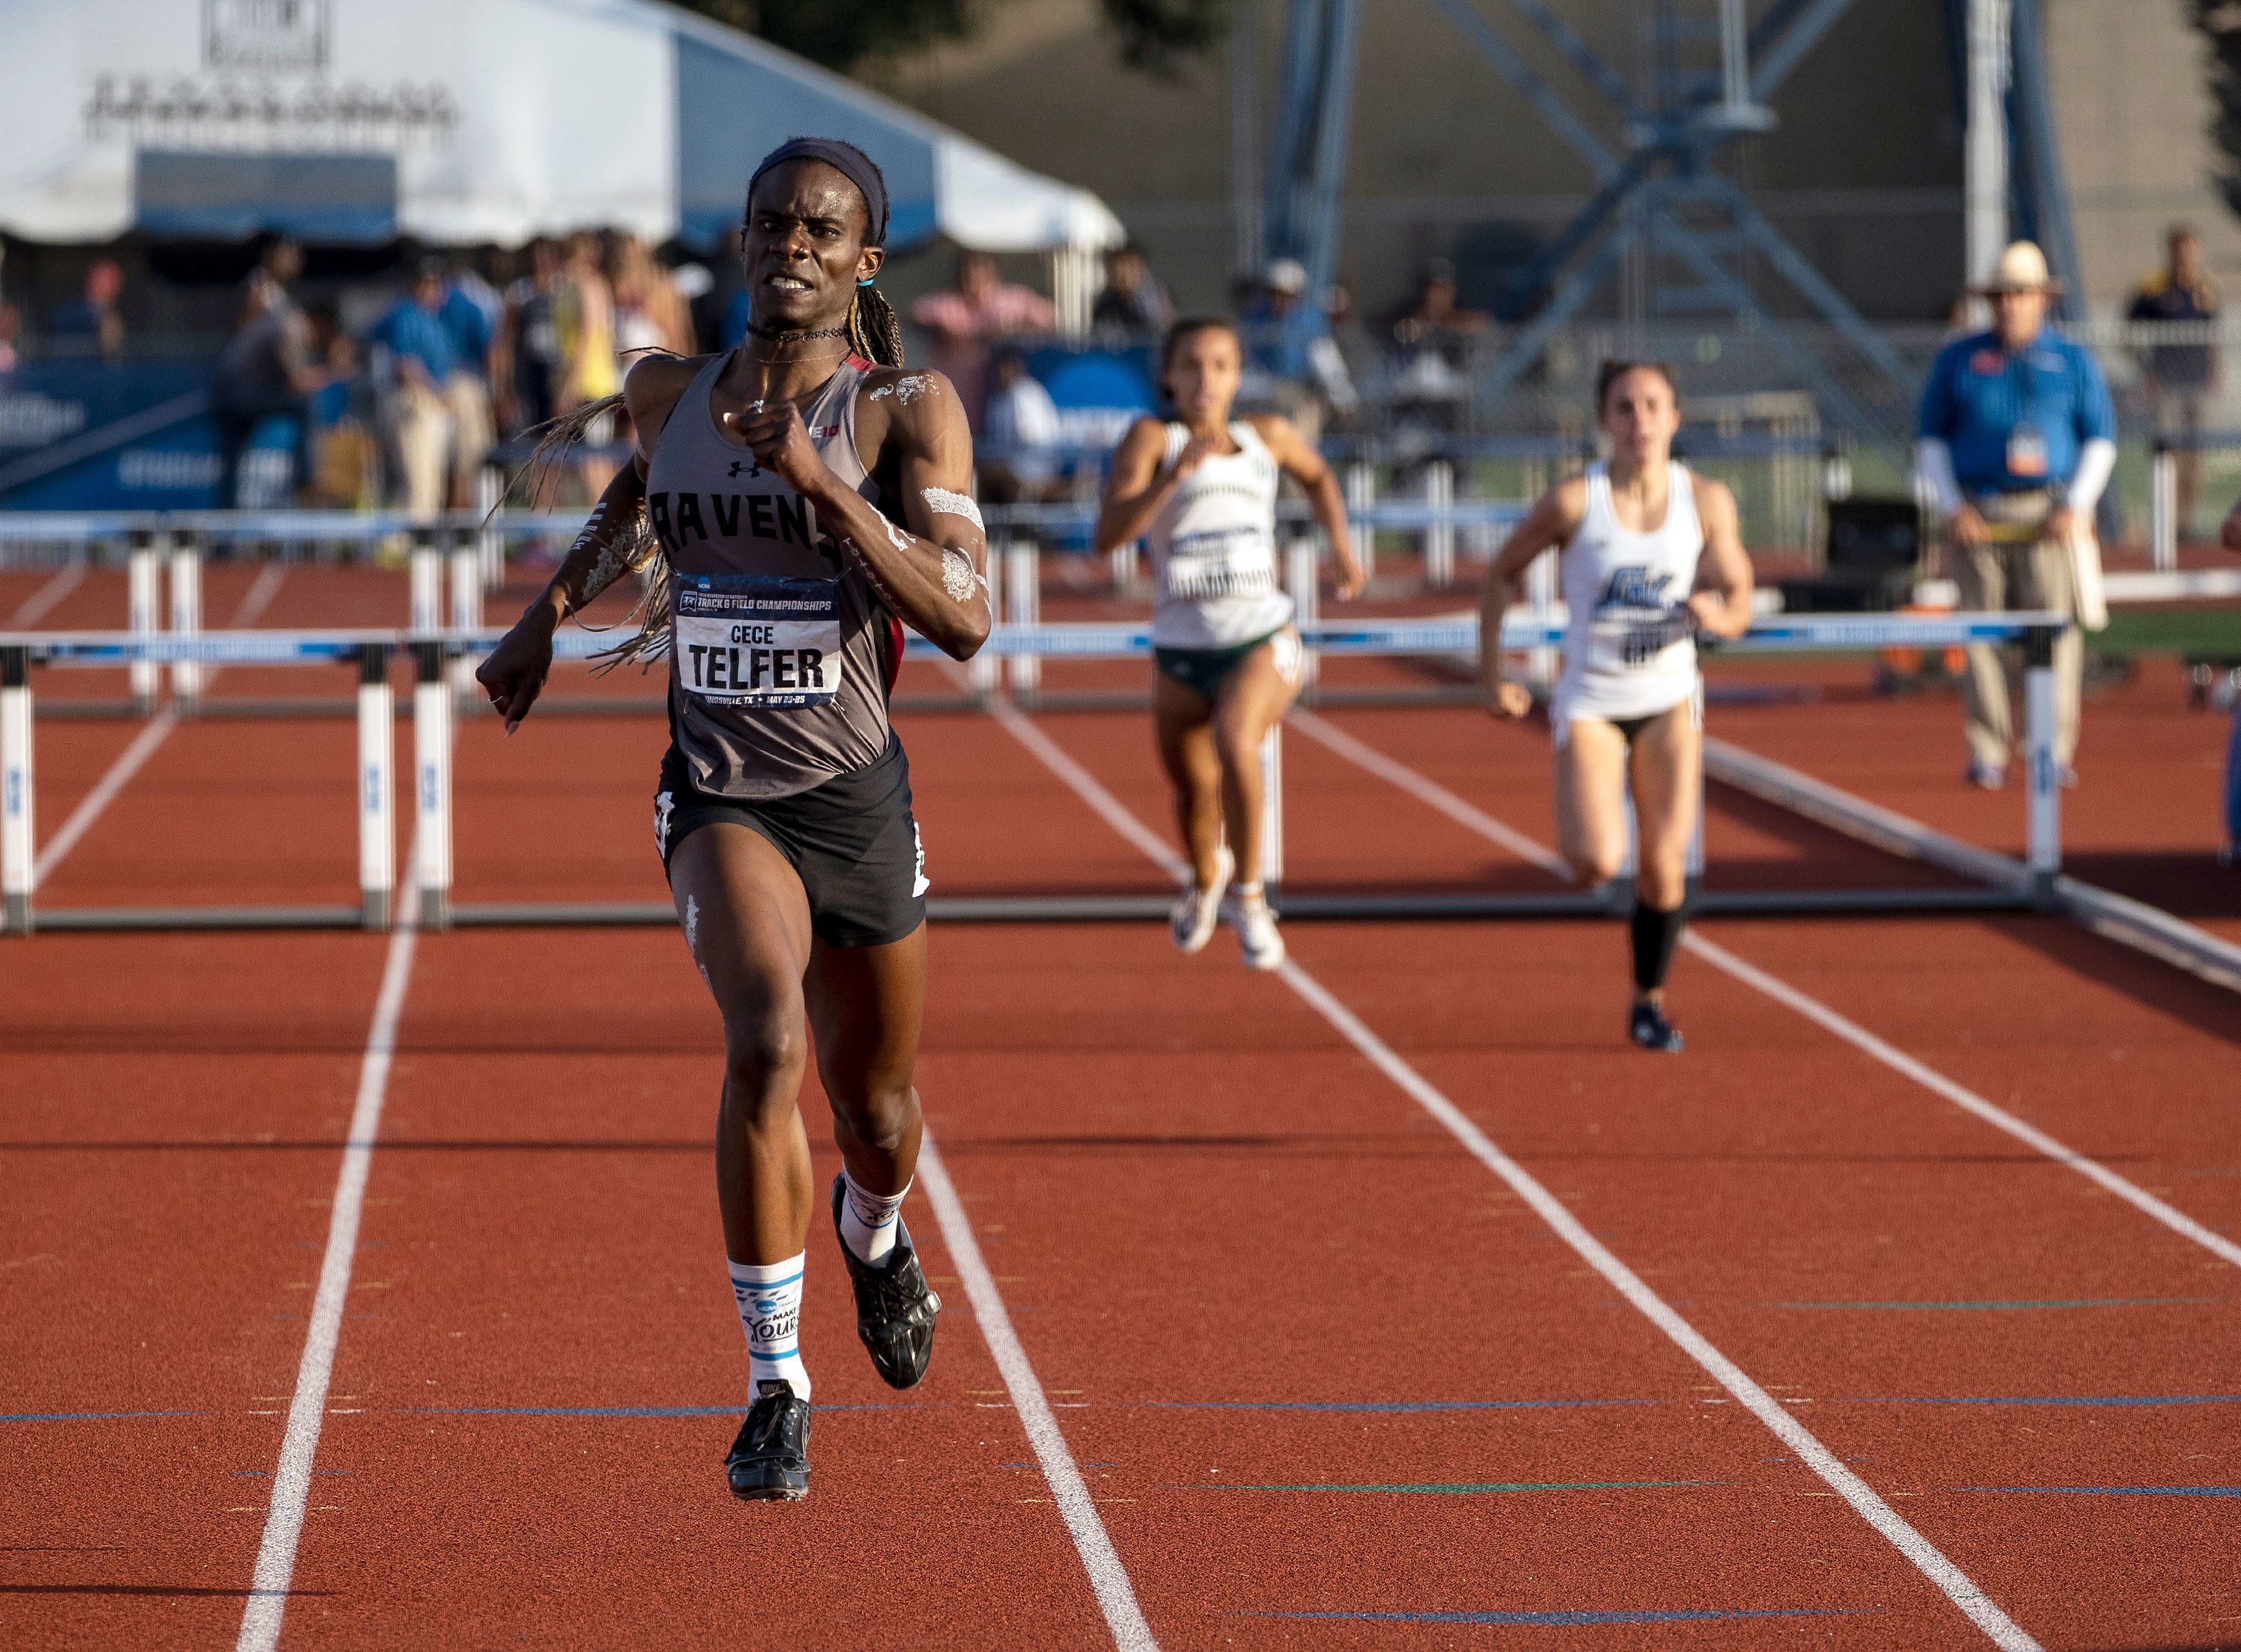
{"x":2021,"y":268}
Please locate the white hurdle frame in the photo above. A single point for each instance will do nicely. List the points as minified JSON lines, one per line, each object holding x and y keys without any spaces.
{"x":986,"y":669}
{"x":2162,"y":509}
{"x":143,"y":604}
{"x":186,"y":561}
{"x":466,"y":558}
{"x":1440,"y":536}
{"x":1303,"y":579}
{"x":431,"y":788}
{"x":377,"y":788}
{"x":1023,"y":595}
{"x":15,"y":793}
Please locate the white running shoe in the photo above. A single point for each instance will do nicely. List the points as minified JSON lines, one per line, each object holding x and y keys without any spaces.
{"x":1257,"y":939}
{"x":1197,"y":910}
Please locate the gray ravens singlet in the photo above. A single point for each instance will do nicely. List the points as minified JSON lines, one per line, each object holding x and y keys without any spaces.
{"x":782,"y":655}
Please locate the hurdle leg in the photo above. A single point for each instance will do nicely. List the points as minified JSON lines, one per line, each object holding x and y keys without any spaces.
{"x":1440,"y":534}
{"x":1303,"y":579}
{"x":1360,"y":499}
{"x":2162,"y":509}
{"x":16,"y":791}
{"x":1541,"y":603}
{"x":490,"y":542}
{"x":466,"y":571}
{"x":144,"y":583}
{"x":425,"y":572}
{"x":1271,"y":809}
{"x":2044,"y":795}
{"x":377,"y":788}
{"x":186,"y":616}
{"x":1023,"y":595}
{"x":432,"y":763}
{"x":984,"y":669}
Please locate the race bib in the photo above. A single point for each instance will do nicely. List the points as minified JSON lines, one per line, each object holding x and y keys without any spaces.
{"x":768,"y":642}
{"x":1228,"y":562}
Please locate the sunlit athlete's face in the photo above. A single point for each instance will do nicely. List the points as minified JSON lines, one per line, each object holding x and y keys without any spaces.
{"x":1202,"y":373}
{"x":803,"y":245}
{"x":1640,"y":415}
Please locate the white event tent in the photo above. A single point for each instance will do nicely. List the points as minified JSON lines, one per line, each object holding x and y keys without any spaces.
{"x":460,"y":123}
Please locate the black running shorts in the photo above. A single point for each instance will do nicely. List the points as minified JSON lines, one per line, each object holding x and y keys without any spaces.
{"x":852,"y":840}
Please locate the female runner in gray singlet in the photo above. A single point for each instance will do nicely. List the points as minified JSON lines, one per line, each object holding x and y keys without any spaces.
{"x":806,"y":497}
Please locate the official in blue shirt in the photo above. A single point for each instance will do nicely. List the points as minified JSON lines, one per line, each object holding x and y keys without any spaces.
{"x":430,"y":412}
{"x":2016,"y":439}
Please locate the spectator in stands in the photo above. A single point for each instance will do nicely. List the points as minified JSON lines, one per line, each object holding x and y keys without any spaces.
{"x":266,"y":369}
{"x":586,"y":314}
{"x":94,"y":318}
{"x":468,"y":316}
{"x":530,"y":341}
{"x":650,"y":313}
{"x":11,"y":328}
{"x":417,"y":416}
{"x":1133,"y":302}
{"x":1289,"y":369}
{"x":2017,"y":440}
{"x":1434,"y":336}
{"x":969,"y":320}
{"x":2181,"y":376}
{"x":1019,"y":450}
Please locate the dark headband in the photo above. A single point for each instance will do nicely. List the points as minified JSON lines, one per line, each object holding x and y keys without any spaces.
{"x":845,"y":159}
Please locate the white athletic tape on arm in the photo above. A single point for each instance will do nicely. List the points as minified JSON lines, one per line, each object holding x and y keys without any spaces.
{"x":942,"y":501}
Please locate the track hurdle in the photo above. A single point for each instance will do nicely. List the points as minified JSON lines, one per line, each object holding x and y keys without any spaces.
{"x":1439,"y":532}
{"x":1303,"y":580}
{"x":143,"y":580}
{"x":431,"y":787}
{"x":1023,"y":596}
{"x":15,"y":803}
{"x":377,"y":787}
{"x":186,"y":559}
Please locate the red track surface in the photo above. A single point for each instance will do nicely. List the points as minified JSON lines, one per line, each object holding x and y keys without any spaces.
{"x":1214,"y":1223}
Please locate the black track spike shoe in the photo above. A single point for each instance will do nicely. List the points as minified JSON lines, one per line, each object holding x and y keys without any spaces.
{"x":770,"y":1460}
{"x":1647,"y":1026}
{"x":894,"y":1307}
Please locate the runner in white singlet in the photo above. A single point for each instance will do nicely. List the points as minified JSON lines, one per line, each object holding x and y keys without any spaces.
{"x":1200,"y":492}
{"x":1651,"y":556}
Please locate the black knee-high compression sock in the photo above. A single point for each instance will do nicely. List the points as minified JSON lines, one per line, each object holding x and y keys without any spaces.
{"x":1654,"y":934}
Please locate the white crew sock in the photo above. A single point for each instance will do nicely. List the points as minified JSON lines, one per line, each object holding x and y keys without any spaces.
{"x":868,"y":1219}
{"x":769,"y":1295}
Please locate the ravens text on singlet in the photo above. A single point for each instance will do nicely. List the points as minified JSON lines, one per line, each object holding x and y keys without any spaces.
{"x":783,"y":655}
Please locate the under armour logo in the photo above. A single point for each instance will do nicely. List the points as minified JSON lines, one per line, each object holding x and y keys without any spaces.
{"x":734,"y":471}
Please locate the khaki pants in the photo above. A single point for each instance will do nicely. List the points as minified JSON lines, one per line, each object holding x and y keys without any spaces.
{"x":2032,"y":574}
{"x":420,"y":429}
{"x":471,"y":436}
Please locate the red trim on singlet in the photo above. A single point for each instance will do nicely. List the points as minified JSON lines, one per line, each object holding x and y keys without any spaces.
{"x":854,"y":360}
{"x":894,"y":662}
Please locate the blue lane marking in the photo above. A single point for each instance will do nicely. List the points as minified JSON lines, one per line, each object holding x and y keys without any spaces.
{"x":2052,"y":1301}
{"x":1569,"y":1620}
{"x":2115,"y":1491}
{"x":622,"y":1410}
{"x":1387,"y":1405}
{"x":92,"y":1416}
{"x":2055,"y":1399}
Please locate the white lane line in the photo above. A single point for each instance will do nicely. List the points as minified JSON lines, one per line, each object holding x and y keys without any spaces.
{"x":1429,"y":792}
{"x":1919,"y":1551}
{"x":1845,"y":1028}
{"x":40,"y":603}
{"x":254,"y":602}
{"x":105,"y":792}
{"x":1116,"y":1595}
{"x":291,"y":1478}
{"x":1998,"y":1117}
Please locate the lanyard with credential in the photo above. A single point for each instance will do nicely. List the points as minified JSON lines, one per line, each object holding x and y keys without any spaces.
{"x":2026,"y":445}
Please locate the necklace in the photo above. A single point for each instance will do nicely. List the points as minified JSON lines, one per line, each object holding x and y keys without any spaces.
{"x":794,"y":335}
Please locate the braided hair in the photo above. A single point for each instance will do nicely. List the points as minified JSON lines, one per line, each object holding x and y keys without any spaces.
{"x":874,"y":332}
